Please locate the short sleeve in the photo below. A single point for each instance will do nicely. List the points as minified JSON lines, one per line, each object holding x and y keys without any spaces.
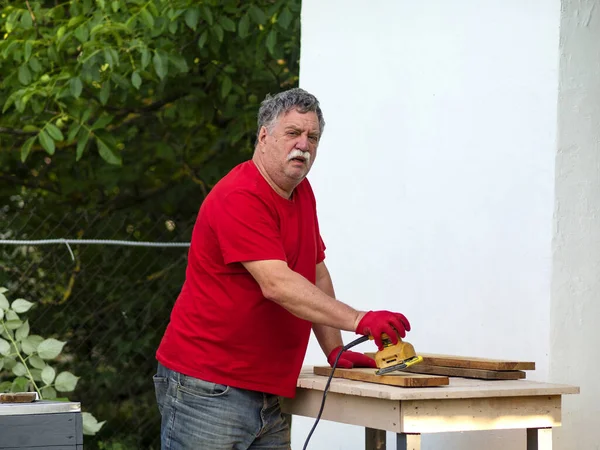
{"x":320,"y":244}
{"x":247,"y":229}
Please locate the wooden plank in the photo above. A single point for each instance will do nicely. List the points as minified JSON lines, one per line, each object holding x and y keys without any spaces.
{"x":466,"y":373}
{"x":470,"y":362}
{"x":439,"y":416}
{"x":17,"y":397}
{"x":400,"y":379}
{"x":366,"y":412}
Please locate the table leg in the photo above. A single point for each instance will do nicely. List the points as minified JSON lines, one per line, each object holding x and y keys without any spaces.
{"x":539,"y":438}
{"x":375,"y":439}
{"x":408,"y":441}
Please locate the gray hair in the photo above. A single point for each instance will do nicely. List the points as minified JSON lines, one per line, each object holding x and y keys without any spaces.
{"x":272,"y":107}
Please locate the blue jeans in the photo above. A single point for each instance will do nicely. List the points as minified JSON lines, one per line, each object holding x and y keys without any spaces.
{"x":200,"y":415}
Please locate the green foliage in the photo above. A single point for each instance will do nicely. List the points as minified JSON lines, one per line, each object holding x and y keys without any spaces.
{"x":25,"y":358}
{"x":118,"y":101}
{"x":116,"y":118}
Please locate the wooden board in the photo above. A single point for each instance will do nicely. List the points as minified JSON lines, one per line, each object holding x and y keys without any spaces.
{"x":18,"y":397}
{"x":466,"y":373}
{"x":468,"y":362}
{"x":400,"y":379}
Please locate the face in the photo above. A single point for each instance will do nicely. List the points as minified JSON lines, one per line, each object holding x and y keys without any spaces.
{"x":290,"y":149}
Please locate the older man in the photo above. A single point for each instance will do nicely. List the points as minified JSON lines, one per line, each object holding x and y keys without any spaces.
{"x":256,"y":284}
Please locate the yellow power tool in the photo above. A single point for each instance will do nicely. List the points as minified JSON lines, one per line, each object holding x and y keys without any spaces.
{"x":395,"y":356}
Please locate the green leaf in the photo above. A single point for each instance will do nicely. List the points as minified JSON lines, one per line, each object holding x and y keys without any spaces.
{"x":203,"y":38}
{"x":102,"y":122}
{"x":81,"y":143}
{"x":4,"y":347}
{"x":31,"y":343}
{"x":55,"y":133}
{"x":24,"y":75}
{"x":136,"y":80}
{"x":1,"y":314}
{"x":243,"y":26}
{"x":271,"y":41}
{"x":73,"y":130}
{"x":19,"y":369}
{"x":91,"y":425}
{"x":28,"y":49}
{"x":50,"y":348}
{"x":19,"y":384}
{"x":160,"y":64}
{"x":218,"y":32}
{"x":104,"y":92}
{"x":179,"y":62}
{"x":13,"y":324}
{"x":35,"y":65}
{"x":227,"y":23}
{"x":207,"y":15}
{"x":82,"y":34}
{"x":22,"y":332}
{"x":226,"y":85}
{"x":1,"y":366}
{"x":11,"y":315}
{"x":257,"y":15}
{"x":36,"y":374}
{"x":48,"y":374}
{"x":26,"y":20}
{"x":76,"y":87}
{"x":147,"y":18}
{"x":5,"y":386}
{"x":37,"y":362}
{"x":285,"y":18}
{"x":145,"y":57}
{"x":48,"y":393}
{"x":192,"y":15}
{"x":107,"y":153}
{"x":3,"y":289}
{"x":4,"y":302}
{"x":66,"y":382}
{"x":46,"y":142}
{"x":26,"y":148}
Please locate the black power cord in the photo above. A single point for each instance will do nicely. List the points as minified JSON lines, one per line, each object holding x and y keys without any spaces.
{"x":360,"y":340}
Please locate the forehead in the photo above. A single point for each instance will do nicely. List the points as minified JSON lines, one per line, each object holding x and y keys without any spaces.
{"x":305,"y":121}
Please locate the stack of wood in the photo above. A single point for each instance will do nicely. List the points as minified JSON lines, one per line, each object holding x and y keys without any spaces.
{"x":435,"y":370}
{"x":470,"y":367}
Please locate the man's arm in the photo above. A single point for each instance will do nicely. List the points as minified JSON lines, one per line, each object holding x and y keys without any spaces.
{"x":329,"y":338}
{"x":302,"y":298}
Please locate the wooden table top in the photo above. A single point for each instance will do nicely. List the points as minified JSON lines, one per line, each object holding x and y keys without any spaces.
{"x":458,"y":388}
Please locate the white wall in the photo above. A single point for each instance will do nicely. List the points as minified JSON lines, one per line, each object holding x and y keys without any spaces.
{"x":576,"y":280}
{"x":435,"y":176}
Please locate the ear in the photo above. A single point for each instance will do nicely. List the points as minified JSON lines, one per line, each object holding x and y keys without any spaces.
{"x":262,"y":136}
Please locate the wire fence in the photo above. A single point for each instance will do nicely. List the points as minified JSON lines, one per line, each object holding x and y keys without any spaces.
{"x":105,"y":284}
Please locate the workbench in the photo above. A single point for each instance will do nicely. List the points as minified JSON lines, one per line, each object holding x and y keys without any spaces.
{"x":463,"y":405}
{"x":41,"y":425}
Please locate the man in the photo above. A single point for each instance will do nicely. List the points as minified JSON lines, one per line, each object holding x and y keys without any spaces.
{"x":256,"y":284}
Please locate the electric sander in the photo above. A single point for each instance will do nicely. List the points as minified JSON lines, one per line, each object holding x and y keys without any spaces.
{"x":395,"y":356}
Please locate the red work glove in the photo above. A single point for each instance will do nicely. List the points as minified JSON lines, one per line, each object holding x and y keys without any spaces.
{"x":374,"y":323}
{"x":349,"y":359}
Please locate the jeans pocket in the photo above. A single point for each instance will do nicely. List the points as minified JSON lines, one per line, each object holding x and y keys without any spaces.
{"x":201,"y":388}
{"x":160,"y":389}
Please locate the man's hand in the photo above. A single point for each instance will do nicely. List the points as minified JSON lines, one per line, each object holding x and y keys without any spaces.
{"x":374,"y":323}
{"x":349,"y":360}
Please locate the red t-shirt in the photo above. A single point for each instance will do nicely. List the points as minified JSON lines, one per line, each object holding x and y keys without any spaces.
{"x":222,"y":328}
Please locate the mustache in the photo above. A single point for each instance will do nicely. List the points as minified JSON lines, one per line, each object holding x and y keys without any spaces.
{"x":299,"y":154}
